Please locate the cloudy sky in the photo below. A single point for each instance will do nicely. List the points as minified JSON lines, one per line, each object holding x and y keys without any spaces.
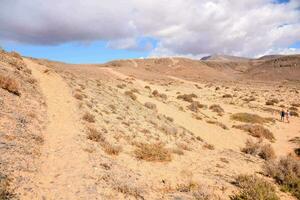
{"x":91,"y":31}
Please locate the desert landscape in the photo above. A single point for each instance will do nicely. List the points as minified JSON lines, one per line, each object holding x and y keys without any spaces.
{"x":156,"y":128}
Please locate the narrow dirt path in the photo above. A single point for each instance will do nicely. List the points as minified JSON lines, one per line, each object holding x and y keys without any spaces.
{"x":64,"y":172}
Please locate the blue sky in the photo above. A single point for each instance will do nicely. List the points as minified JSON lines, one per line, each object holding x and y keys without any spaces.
{"x":96,"y":52}
{"x":91,"y":31}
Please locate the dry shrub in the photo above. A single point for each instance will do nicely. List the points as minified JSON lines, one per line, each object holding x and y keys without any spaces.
{"x":134,"y":90}
{"x":94,"y":135}
{"x":216,"y":108}
{"x":131,"y":95}
{"x":296,"y":104}
{"x":272,"y":102}
{"x":195,"y":105}
{"x":294,"y":114}
{"x":256,"y":131}
{"x":208,"y":146}
{"x":111,"y":149}
{"x":155,"y":93}
{"x":253,"y":187}
{"x":223,"y":126}
{"x":5,"y":193}
{"x":10,"y":85}
{"x":187,"y":97}
{"x":250,"y":118}
{"x":89,"y":117}
{"x":129,"y":190}
{"x":227,"y":96}
{"x":78,"y":96}
{"x":264,"y":151}
{"x":293,"y":108}
{"x":121,"y":86}
{"x":286,"y":172}
{"x":152,"y":152}
{"x":147,"y":87}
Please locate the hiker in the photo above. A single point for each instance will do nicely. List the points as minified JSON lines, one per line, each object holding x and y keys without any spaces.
{"x":287,"y":116}
{"x":282,"y":114}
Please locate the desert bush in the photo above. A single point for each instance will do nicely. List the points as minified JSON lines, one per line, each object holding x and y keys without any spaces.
{"x":152,"y":152}
{"x":148,"y":87}
{"x":195,"y":105}
{"x":264,"y":151}
{"x":155,"y":93}
{"x":121,"y":86}
{"x":5,"y":193}
{"x":251,"y":148}
{"x":111,"y":149}
{"x":295,"y":104}
{"x":208,"y":146}
{"x":272,"y":102}
{"x":187,"y":97}
{"x":256,"y":131}
{"x":297,"y":151}
{"x":253,"y":187}
{"x":286,"y":172}
{"x":89,"y":117}
{"x":293,"y":108}
{"x":267,"y":152}
{"x":9,"y":85}
{"x":223,"y":126}
{"x":131,"y":95}
{"x":94,"y":135}
{"x":216,"y":108}
{"x":78,"y":96}
{"x":294,"y":114}
{"x":227,"y":96}
{"x":134,"y":90}
{"x":250,"y":118}
{"x":150,"y":105}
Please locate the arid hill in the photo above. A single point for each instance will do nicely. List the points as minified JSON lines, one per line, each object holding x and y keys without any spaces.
{"x":167,"y":128}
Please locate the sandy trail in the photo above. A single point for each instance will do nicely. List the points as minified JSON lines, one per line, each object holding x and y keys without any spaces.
{"x":64,"y":172}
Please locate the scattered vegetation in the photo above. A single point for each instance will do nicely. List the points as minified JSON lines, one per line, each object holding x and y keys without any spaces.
{"x":187,"y":97}
{"x":9,"y":85}
{"x":150,"y":105}
{"x":89,"y":117}
{"x":94,"y":135}
{"x":286,"y":173}
{"x":223,"y":126}
{"x":217,"y":109}
{"x":251,"y":118}
{"x":272,"y":102}
{"x":152,"y":152}
{"x":5,"y":193}
{"x":131,"y":95}
{"x":264,"y":151}
{"x":227,"y":96}
{"x":253,"y":187}
{"x":256,"y":131}
{"x":78,"y":96}
{"x":195,"y":105}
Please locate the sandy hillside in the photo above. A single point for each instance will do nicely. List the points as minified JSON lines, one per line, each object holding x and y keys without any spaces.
{"x":170,"y":128}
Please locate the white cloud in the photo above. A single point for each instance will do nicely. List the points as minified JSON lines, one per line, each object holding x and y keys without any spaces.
{"x":181,"y":27}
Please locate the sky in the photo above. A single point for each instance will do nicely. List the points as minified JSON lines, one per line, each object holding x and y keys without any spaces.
{"x":97,"y":31}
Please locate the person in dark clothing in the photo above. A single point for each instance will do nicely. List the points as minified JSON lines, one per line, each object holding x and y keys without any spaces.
{"x":282,"y":115}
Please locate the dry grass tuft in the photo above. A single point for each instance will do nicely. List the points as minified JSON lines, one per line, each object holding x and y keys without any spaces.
{"x":208,"y":146}
{"x":187,"y":97}
{"x":216,"y":108}
{"x":152,"y":152}
{"x":78,"y":96}
{"x":89,"y":117}
{"x":195,"y":106}
{"x":251,"y":118}
{"x":223,"y":126}
{"x":111,"y":149}
{"x":5,"y":193}
{"x":286,"y":173}
{"x":227,"y":96}
{"x":9,"y":85}
{"x":253,"y":187}
{"x":256,"y":131}
{"x":150,"y":105}
{"x":131,"y":95}
{"x":264,"y":151}
{"x":94,"y":135}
